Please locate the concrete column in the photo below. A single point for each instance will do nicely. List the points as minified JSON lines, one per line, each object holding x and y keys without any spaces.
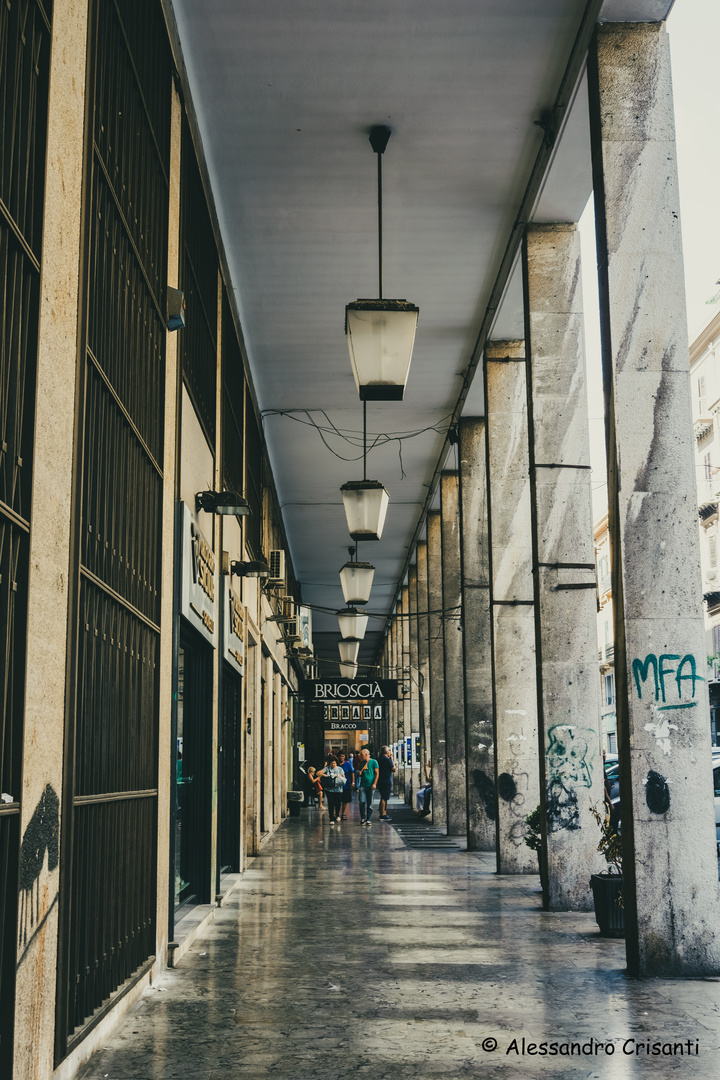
{"x":438,"y":736}
{"x":47,"y":601}
{"x":452,"y":635}
{"x":423,"y":653}
{"x":477,"y":638}
{"x":670,"y":886}
{"x":564,"y":563}
{"x":414,"y":655}
{"x":406,"y":710}
{"x":513,"y":605}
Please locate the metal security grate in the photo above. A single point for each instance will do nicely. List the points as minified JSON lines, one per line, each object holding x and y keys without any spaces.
{"x":199,"y":281}
{"x":108,"y":868}
{"x":233,"y":403}
{"x":24,"y":74}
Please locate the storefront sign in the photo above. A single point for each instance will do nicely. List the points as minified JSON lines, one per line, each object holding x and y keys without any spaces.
{"x":199,"y":596}
{"x":374,"y":690}
{"x":351,"y":725}
{"x":233,"y":629}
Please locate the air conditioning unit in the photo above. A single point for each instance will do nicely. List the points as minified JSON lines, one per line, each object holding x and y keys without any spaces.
{"x":277,"y":567}
{"x":288,"y":608}
{"x":290,"y":631}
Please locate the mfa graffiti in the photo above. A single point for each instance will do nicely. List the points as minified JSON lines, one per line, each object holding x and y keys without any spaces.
{"x":663,"y":667}
{"x":568,"y":766}
{"x":41,"y":835}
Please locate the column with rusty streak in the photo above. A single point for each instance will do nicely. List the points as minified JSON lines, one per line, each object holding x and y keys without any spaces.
{"x":670,"y":883}
{"x":564,"y":563}
{"x":423,"y":654}
{"x":456,"y":776}
{"x":437,"y":668}
{"x":477,"y":638}
{"x":513,"y":605}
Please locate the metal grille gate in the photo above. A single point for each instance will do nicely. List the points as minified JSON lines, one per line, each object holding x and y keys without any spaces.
{"x":24,"y":76}
{"x":108,"y":885}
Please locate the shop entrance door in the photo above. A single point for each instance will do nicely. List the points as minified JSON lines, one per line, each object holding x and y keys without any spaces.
{"x":229,"y":772}
{"x":192,"y":771}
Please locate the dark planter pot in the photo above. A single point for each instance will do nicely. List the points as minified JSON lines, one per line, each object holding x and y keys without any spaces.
{"x":610,"y":917}
{"x":542,"y":867}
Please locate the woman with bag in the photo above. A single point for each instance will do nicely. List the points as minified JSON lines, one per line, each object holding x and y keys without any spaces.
{"x":332,"y":778}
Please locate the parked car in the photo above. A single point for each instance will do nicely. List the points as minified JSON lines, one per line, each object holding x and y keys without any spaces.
{"x":612,"y":789}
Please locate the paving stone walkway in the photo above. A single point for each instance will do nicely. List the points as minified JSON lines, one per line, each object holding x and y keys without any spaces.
{"x":343,"y":953}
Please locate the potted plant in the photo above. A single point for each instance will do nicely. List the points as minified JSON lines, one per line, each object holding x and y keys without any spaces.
{"x":607,"y":887}
{"x":533,"y":839}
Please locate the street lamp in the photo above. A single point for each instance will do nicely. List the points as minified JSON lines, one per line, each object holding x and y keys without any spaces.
{"x":352,"y":623}
{"x":348,"y":671}
{"x":366,"y":503}
{"x":356,"y":579}
{"x":349,"y":650}
{"x":380,"y":333}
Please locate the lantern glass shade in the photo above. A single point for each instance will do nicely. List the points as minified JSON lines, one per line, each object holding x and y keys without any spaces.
{"x":356,"y":579}
{"x":349,"y":650}
{"x":348,"y":671}
{"x":366,"y":503}
{"x":381,"y":335}
{"x":352,"y":623}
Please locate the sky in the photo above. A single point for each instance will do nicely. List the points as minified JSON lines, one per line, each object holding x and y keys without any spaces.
{"x":694,"y":31}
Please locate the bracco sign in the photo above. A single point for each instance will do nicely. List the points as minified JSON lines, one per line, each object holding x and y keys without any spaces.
{"x":351,"y":690}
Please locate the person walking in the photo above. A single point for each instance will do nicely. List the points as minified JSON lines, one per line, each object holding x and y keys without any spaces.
{"x":332,"y":779}
{"x":346,"y":794}
{"x":386,"y":767}
{"x":367,"y":781}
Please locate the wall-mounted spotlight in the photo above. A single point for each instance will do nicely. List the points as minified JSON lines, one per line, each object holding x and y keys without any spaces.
{"x":256,"y":568}
{"x":222,"y":502}
{"x":175,"y":319}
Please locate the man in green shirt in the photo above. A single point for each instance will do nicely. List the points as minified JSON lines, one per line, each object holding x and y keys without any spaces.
{"x":366,"y":782}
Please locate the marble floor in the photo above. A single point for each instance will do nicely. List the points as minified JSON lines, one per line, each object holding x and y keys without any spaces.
{"x":343,"y":953}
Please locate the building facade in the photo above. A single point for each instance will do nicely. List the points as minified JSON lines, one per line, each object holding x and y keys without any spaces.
{"x":146,"y":749}
{"x":705,"y":386}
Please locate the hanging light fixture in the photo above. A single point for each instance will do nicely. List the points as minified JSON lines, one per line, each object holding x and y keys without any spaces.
{"x":356,"y":579}
{"x":349,"y":650}
{"x":380,"y":333}
{"x":352,"y":623}
{"x":348,"y":671}
{"x":366,"y":503}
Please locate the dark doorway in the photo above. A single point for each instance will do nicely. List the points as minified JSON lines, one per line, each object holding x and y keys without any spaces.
{"x":263,"y":823}
{"x":193,"y":745}
{"x":229,"y":772}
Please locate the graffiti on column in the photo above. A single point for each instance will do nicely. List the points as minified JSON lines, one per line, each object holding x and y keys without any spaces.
{"x":511,"y":785}
{"x":657,"y":793}
{"x":486,"y":790}
{"x":568,"y":768}
{"x":41,"y":835}
{"x":672,"y":677}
